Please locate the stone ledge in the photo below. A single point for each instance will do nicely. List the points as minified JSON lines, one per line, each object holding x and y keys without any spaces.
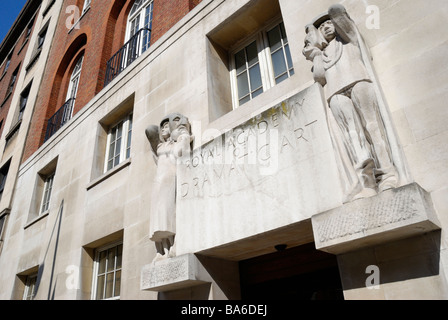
{"x":172,"y":273}
{"x":392,"y":215}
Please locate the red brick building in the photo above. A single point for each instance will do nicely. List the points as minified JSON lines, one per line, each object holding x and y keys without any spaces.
{"x":90,"y":33}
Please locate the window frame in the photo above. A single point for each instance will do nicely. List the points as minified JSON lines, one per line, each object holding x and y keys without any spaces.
{"x":72,"y":90}
{"x":141,"y":13}
{"x":8,"y":63}
{"x":46,"y":193}
{"x":126,"y":139}
{"x":30,"y":283}
{"x":96,"y":274}
{"x":260,"y":36}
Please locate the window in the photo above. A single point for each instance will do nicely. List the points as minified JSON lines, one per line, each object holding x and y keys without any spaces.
{"x":107,"y":272}
{"x":74,"y":80}
{"x":12,"y":82}
{"x":8,"y":62}
{"x":43,"y":192}
{"x":28,"y":30}
{"x":41,"y":38}
{"x":261,"y":63}
{"x":2,"y":224}
{"x":140,"y":18}
{"x":30,"y":287}
{"x":48,"y":186}
{"x":119,"y":143}
{"x":23,"y":100}
{"x":3,"y":175}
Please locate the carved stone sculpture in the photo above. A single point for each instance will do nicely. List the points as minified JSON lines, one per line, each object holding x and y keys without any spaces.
{"x":336,"y":48}
{"x":169,"y":142}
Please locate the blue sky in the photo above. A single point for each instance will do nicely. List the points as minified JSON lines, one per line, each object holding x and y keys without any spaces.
{"x":10,"y":9}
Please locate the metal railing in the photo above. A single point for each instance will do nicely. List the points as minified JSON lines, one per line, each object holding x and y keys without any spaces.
{"x":60,"y":118}
{"x":127,"y":54}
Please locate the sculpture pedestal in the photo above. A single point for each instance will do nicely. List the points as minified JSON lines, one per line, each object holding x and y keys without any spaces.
{"x":392,"y":215}
{"x":171,"y":274}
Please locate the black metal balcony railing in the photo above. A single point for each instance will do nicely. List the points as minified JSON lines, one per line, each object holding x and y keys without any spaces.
{"x":59,"y":118}
{"x":127,"y":54}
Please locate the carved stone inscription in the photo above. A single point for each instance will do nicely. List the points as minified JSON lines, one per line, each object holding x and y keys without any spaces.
{"x":275,"y":169}
{"x":249,"y":152}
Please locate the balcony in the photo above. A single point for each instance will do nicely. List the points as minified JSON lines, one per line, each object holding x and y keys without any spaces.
{"x":61,"y":117}
{"x":132,"y":49}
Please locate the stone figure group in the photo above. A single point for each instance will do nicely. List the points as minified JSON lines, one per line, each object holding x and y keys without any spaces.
{"x":341,"y":65}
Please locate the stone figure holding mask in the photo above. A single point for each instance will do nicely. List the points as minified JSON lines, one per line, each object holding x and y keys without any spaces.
{"x":169,"y":142}
{"x":334,"y":45}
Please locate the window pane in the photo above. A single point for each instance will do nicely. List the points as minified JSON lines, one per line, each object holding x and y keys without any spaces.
{"x":255,"y":77}
{"x":111,"y":149}
{"x":100,"y":287}
{"x":244,"y":100}
{"x":109,"y":285}
{"x":282,"y":28}
{"x":278,"y":62}
{"x":240,"y":61}
{"x":111,"y":259}
{"x":117,"y":283}
{"x":102,"y":262}
{"x":119,"y":256}
{"x":243,"y":85}
{"x":252,"y":53}
{"x":257,"y":93}
{"x":274,"y":39}
{"x":281,"y":78}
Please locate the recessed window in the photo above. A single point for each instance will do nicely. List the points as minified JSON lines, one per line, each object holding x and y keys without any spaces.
{"x":41,"y":38}
{"x":74,"y":82}
{"x":260,"y":63}
{"x":7,"y":64}
{"x":2,"y":224}
{"x":23,"y":101}
{"x":12,"y":82}
{"x":119,"y":142}
{"x":43,"y":192}
{"x":3,"y":176}
{"x":107,"y":272}
{"x":48,"y":187}
{"x":30,"y":287}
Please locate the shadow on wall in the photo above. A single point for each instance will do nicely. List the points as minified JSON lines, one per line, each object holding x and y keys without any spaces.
{"x":406,"y":259}
{"x":57,"y":223}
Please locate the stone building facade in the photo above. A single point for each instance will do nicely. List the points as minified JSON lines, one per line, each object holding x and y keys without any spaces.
{"x":266,"y":201}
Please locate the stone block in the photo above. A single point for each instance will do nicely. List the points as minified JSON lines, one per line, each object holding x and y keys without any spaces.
{"x":171,"y":274}
{"x":392,"y":215}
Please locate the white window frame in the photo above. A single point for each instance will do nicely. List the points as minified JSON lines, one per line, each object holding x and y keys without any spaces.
{"x":126,"y":136}
{"x":96,"y":270}
{"x":46,"y":194}
{"x":141,"y":12}
{"x":30,"y":285}
{"x":73,"y":86}
{"x":264,"y":58}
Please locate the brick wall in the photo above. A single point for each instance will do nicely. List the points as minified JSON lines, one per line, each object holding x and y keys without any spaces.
{"x":99,"y":34}
{"x":17,"y":57}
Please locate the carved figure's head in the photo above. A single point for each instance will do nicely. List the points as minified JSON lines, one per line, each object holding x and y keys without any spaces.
{"x":328,"y":30}
{"x":165,"y":131}
{"x":174,"y":125}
